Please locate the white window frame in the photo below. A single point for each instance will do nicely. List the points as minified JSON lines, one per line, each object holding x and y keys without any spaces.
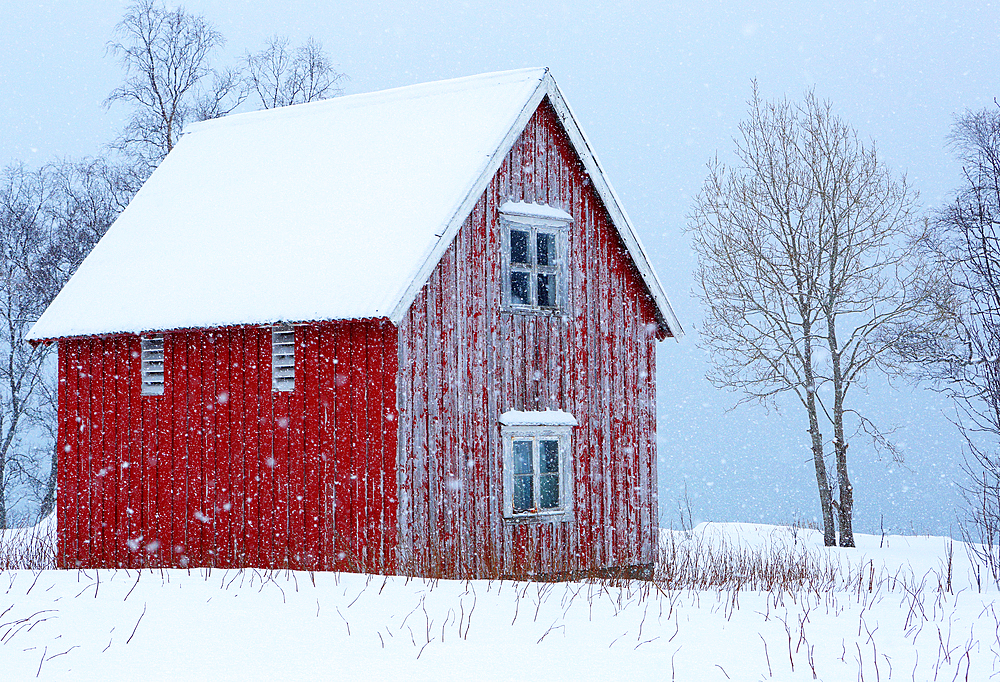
{"x":282,"y":362}
{"x":558,"y":227}
{"x":536,"y":433}
{"x":152,"y":364}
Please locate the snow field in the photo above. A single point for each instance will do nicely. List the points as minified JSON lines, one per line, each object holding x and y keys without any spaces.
{"x":885,"y":614}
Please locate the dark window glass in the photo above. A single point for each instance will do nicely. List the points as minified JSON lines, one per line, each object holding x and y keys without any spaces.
{"x":519,"y":247}
{"x":546,"y":291}
{"x":522,"y":457}
{"x":549,"y":491}
{"x":520,"y":284}
{"x":523,"y":494}
{"x":548,"y":456}
{"x":546,"y":249}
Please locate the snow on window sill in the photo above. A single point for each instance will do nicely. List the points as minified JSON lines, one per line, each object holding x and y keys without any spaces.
{"x":538,"y":418}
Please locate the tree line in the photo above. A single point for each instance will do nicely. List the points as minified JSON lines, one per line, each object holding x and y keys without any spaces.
{"x":52,"y":216}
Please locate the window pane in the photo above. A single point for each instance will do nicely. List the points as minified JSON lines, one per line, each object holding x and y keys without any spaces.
{"x":549,"y":491}
{"x":548,"y":457}
{"x":546,"y":291}
{"x":520,"y":288}
{"x":523,"y":494}
{"x":519,"y":247}
{"x":522,"y":457}
{"x":546,"y":244}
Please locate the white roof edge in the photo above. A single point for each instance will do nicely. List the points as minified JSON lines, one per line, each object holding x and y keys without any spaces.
{"x":465,"y":207}
{"x":614,"y":207}
{"x":547,"y":87}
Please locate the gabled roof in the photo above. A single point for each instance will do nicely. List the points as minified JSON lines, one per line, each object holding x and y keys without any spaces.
{"x":336,"y":209}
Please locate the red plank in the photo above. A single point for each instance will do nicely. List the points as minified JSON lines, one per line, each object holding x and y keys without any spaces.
{"x":419,"y":488}
{"x":390,"y":429}
{"x":165,"y":425}
{"x":133,"y":474}
{"x":68,"y":452}
{"x":296,"y":473}
{"x":327,"y":443}
{"x":312,"y":464}
{"x":236,"y":398}
{"x":358,"y":452}
{"x":224,"y":368}
{"x":123,"y":509}
{"x":253,"y":452}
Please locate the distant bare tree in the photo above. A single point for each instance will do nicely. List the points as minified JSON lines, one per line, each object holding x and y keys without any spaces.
{"x":168,"y":78}
{"x":24,"y":292}
{"x":962,"y":354}
{"x":804,"y":271}
{"x":281,"y":77}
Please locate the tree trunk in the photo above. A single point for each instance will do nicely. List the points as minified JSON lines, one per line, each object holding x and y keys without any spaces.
{"x":845,"y":508}
{"x":825,"y":501}
{"x":49,"y":501}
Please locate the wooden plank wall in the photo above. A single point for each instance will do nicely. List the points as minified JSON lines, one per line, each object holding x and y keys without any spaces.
{"x":220,"y":470}
{"x":463,"y":362}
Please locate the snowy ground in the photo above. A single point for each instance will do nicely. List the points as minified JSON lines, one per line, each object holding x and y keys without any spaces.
{"x":886,"y":619}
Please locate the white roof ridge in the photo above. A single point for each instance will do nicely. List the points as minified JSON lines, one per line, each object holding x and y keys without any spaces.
{"x":362,"y":99}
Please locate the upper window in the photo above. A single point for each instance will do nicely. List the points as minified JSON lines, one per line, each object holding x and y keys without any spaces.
{"x":152,"y":364}
{"x":283,"y":358}
{"x":538,"y":471}
{"x":534,"y":256}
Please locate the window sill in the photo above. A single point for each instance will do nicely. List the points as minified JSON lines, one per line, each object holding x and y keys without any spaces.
{"x":544,"y":312}
{"x":541,"y":517}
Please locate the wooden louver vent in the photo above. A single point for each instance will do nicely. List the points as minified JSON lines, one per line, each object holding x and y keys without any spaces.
{"x":152,"y":365}
{"x":283,"y":358}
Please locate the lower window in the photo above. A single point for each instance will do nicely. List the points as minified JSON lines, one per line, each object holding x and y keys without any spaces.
{"x":538,"y":471}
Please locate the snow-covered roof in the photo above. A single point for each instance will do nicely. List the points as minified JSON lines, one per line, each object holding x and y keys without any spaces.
{"x":336,"y":209}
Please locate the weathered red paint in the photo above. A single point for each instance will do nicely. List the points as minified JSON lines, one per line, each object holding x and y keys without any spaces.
{"x":221,"y":470}
{"x":463,"y":362}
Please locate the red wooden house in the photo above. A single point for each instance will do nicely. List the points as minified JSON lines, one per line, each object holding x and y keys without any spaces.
{"x":409,"y":331}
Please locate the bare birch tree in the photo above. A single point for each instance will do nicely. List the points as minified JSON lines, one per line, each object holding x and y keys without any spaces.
{"x":168,"y":78}
{"x":804,"y":270}
{"x":23,"y":247}
{"x":282,"y":77}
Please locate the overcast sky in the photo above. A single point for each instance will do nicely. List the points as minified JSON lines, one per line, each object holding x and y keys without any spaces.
{"x":659,"y":88}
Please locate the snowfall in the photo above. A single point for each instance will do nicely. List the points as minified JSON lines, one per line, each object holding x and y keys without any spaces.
{"x":896,"y":607}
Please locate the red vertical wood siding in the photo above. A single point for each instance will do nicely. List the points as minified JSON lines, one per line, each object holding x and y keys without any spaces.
{"x":463,"y":362}
{"x":220,"y":470}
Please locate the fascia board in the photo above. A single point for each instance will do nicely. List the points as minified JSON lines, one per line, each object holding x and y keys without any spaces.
{"x":618,"y":216}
